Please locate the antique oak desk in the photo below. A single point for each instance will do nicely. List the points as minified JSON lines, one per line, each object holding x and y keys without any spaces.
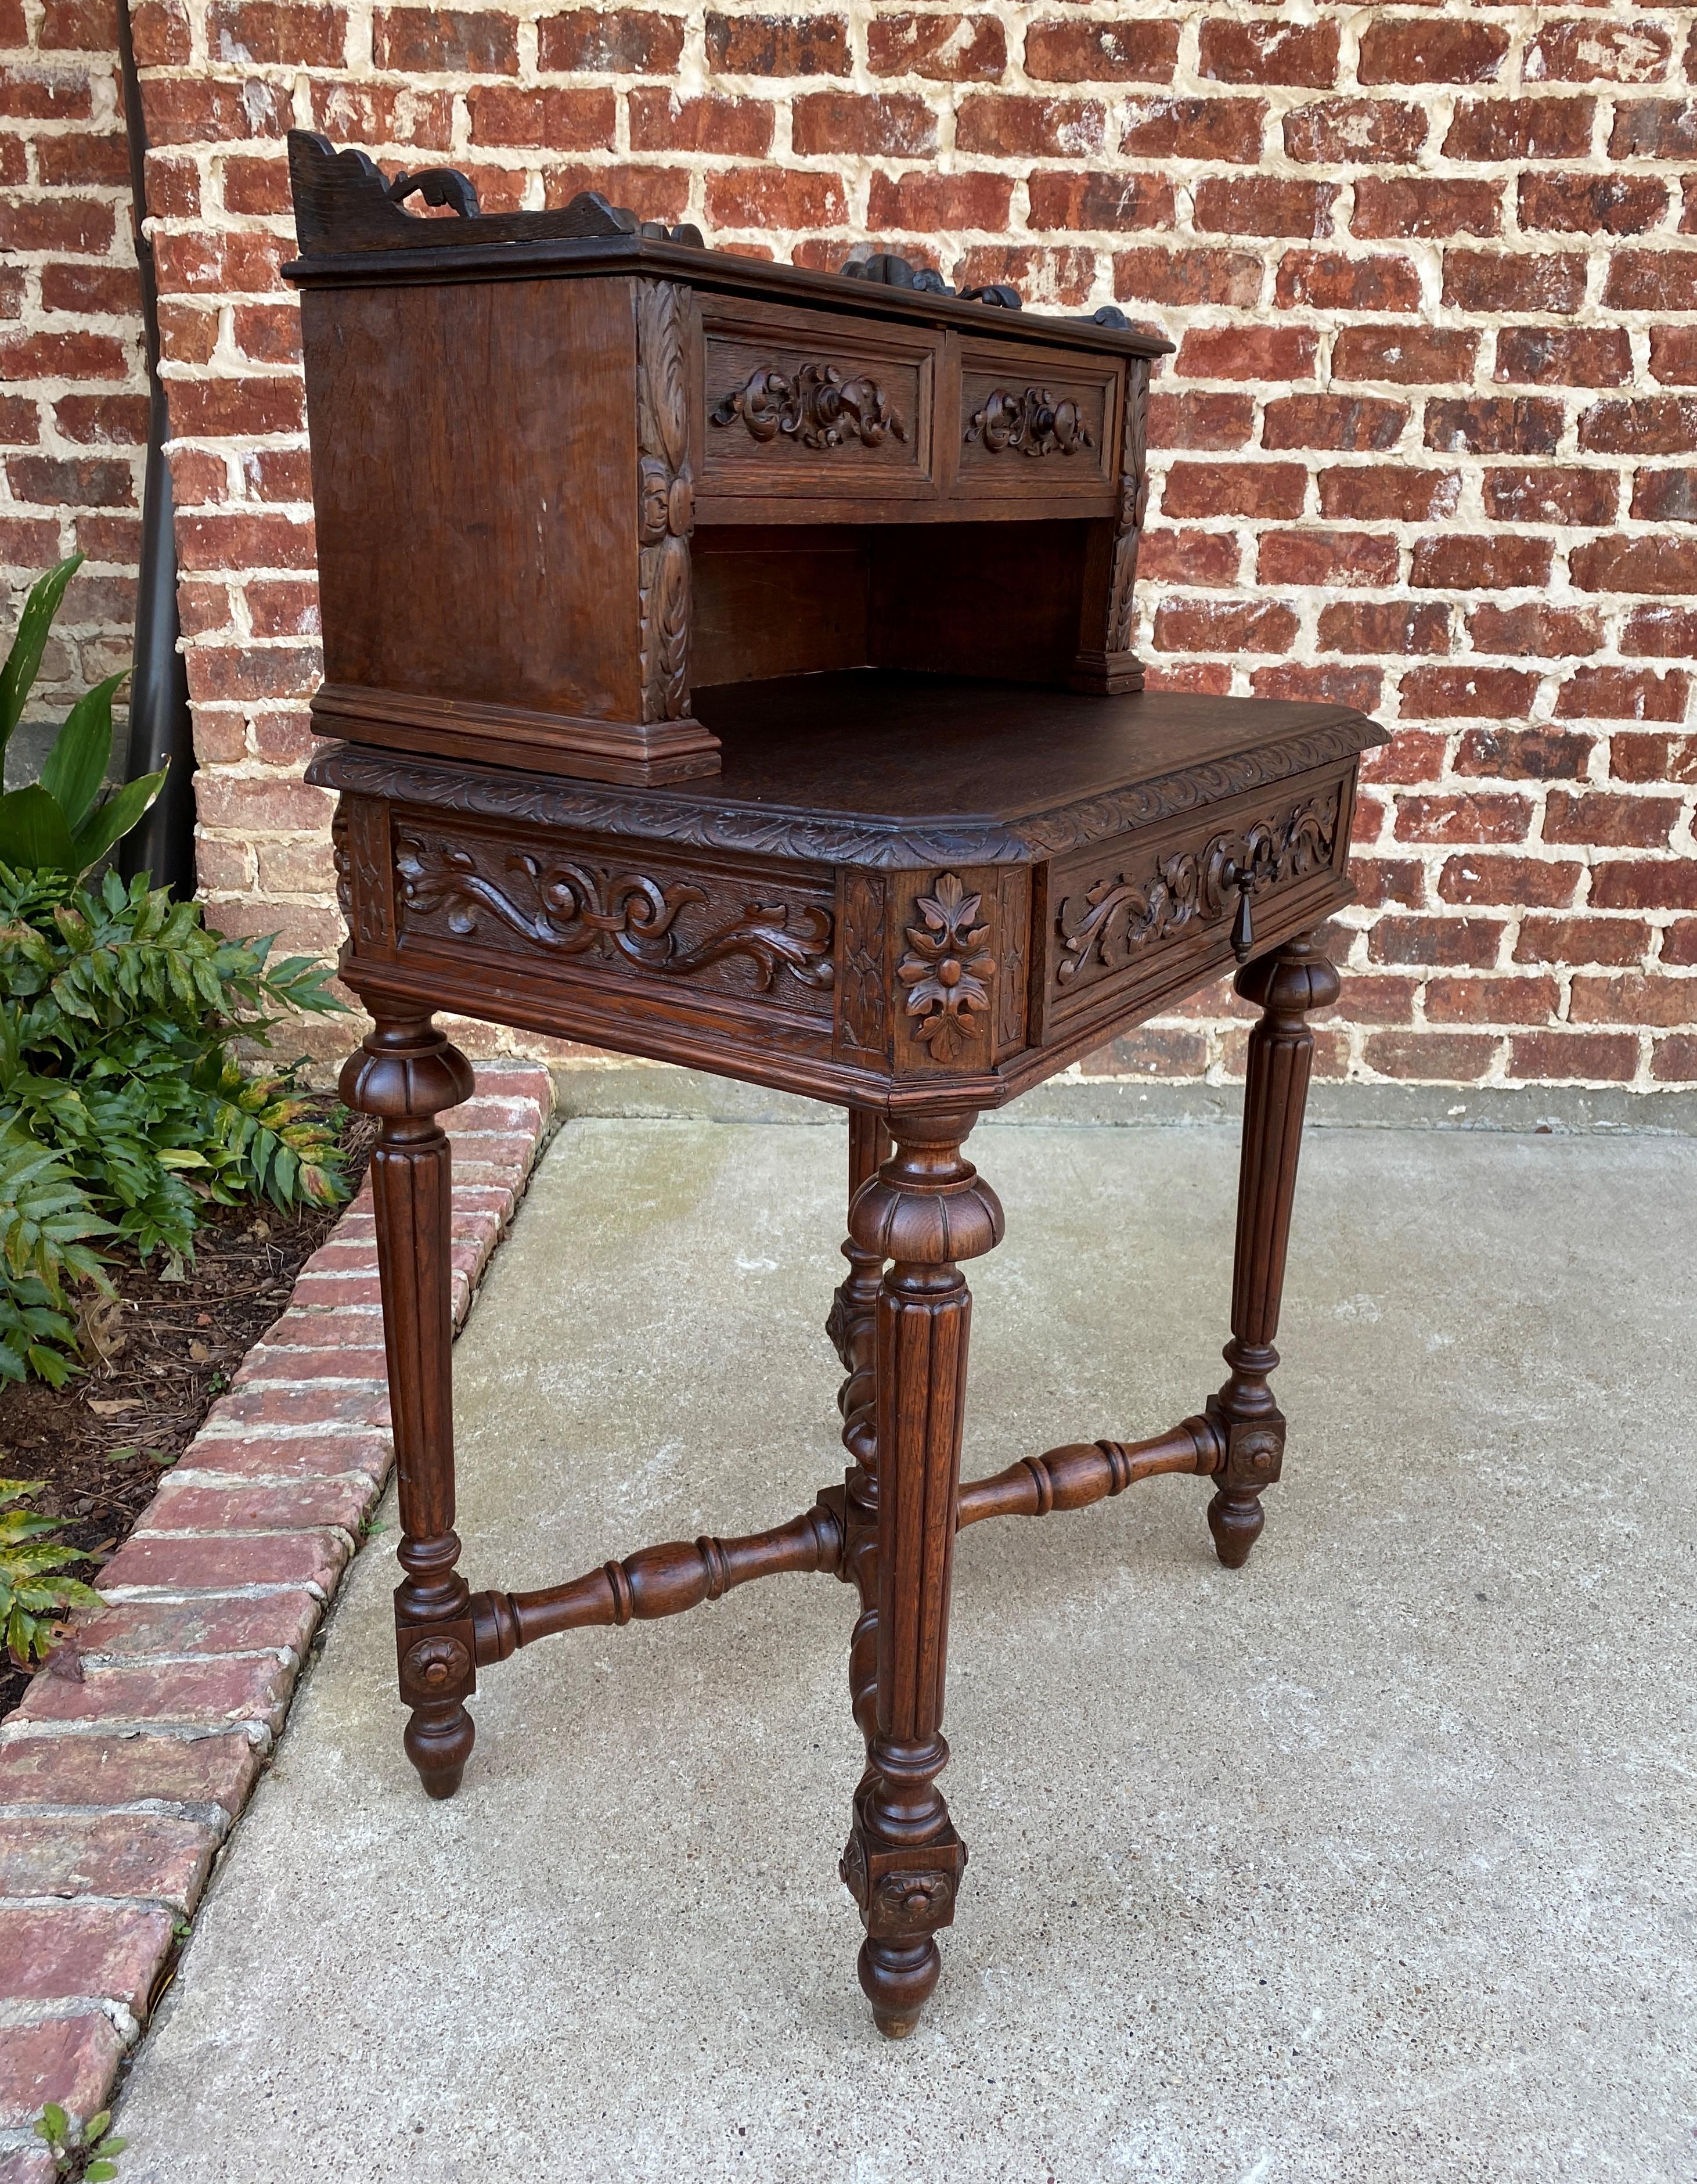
{"x":729,"y":663}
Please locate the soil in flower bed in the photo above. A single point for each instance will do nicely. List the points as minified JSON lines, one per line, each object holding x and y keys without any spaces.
{"x":157,"y":1358}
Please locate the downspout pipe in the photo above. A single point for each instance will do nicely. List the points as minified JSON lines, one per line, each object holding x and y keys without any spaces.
{"x":161,"y":728}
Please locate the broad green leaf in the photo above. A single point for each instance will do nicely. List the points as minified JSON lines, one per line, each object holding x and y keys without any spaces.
{"x":33,"y":832}
{"x":18,"y":676}
{"x":82,"y":750}
{"x":113,"y":820}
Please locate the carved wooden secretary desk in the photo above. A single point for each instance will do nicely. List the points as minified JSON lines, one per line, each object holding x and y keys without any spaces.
{"x":729,"y":664}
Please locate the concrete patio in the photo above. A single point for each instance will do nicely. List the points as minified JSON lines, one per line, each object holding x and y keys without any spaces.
{"x":1373,"y":1861}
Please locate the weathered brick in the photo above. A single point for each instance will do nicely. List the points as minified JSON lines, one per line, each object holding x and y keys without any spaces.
{"x":1610,"y":819}
{"x":1195,"y":420}
{"x":1224,"y":129}
{"x":1223,"y":626}
{"x":1477,"y":816}
{"x":945,"y":49}
{"x":637,"y":40}
{"x":1268,"y":489}
{"x":1674,"y":1061}
{"x":1491,"y":693}
{"x":1451,"y":942}
{"x":1095,"y":200}
{"x":1190,"y":557}
{"x":1392,"y":626}
{"x":1645,"y":883}
{"x":1591,"y":204}
{"x":1235,"y":50}
{"x":1623,"y":693}
{"x":1326,"y":557}
{"x":1505,"y":562}
{"x":71,"y":2060}
{"x":1475,"y":876}
{"x":1405,"y":355}
{"x":1524,"y":754}
{"x":1595,"y":51}
{"x":1491,"y":280}
{"x":1354,"y":424}
{"x":1623,"y":563}
{"x":1187,"y":276}
{"x":1547,"y":493}
{"x":1557,"y":1056}
{"x":1263,"y":204}
{"x":848,"y":121}
{"x":1355,"y":131}
{"x":1564,"y":356}
{"x":1651,"y":281}
{"x":153,"y":1857}
{"x":1659,"y":424}
{"x":1521,"y":129}
{"x":1421,"y":205}
{"x":216,"y":1564}
{"x":1631,"y":997}
{"x":71,"y":1950}
{"x":1653,"y":756}
{"x":1431,"y":49}
{"x":1125,"y":51}
{"x":1584,"y":940}
{"x":1389,"y":491}
{"x":1534,"y":631}
{"x":419,"y":41}
{"x":1432,"y":1056}
{"x":1258,"y":353}
{"x":1325,"y":683}
{"x":220,"y":1691}
{"x":1494,"y":424}
{"x":1511,"y":999}
{"x":1328,"y":281}
{"x":1004,"y":126}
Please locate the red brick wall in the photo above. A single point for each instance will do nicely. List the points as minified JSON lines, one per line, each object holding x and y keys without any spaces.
{"x":73,"y":381}
{"x":1429,"y":442}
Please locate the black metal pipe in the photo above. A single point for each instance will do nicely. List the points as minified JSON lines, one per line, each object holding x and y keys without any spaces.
{"x":161,"y":728}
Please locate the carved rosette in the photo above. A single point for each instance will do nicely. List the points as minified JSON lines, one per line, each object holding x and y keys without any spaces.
{"x":665,"y":499}
{"x":1128,"y":525}
{"x":947,"y":969}
{"x":1103,"y":928}
{"x":1032,"y":423}
{"x":817,"y":407}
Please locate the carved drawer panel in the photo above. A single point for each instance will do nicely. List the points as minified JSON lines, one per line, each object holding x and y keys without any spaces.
{"x":1123,"y":916}
{"x":749,"y":935}
{"x":1035,"y":423}
{"x":804,"y":402}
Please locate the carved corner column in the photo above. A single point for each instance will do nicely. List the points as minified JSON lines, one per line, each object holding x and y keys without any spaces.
{"x":406,"y":1073}
{"x":1288,"y":984}
{"x":852,"y":1327}
{"x":925,"y":1211}
{"x":1105,"y":663}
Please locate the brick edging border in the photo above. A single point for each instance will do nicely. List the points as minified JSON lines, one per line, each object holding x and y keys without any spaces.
{"x":133,"y":1754}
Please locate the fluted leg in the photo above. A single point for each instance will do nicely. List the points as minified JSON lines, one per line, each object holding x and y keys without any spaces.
{"x":406,"y":1073}
{"x":1288,"y":984}
{"x":925,"y":1211}
{"x":852,"y":1327}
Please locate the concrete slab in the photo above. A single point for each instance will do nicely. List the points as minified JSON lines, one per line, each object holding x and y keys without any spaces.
{"x":1373,"y":1861}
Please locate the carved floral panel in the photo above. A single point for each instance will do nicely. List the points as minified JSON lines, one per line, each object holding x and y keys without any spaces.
{"x":1107,"y":917}
{"x":652,"y":918}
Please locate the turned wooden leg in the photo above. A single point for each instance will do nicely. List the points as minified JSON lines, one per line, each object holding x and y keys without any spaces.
{"x":1288,"y":983}
{"x":925,"y":1211}
{"x":406,"y":1073}
{"x":852,"y":1327}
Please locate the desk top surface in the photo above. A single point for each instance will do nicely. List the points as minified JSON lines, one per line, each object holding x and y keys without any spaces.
{"x":874,"y":768}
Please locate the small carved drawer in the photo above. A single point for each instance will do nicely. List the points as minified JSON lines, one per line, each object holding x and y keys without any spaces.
{"x":808,"y":405}
{"x":1035,"y":422}
{"x":1131,"y":922}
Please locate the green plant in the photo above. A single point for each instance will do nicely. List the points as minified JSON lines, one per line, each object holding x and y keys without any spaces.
{"x":57,"y":824}
{"x":70,"y":2144}
{"x":123,"y":1110}
{"x":34,"y":1596}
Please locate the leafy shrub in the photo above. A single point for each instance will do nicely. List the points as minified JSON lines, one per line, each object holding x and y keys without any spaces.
{"x":118,"y":1013}
{"x":34,"y":1595}
{"x":123,"y":1110}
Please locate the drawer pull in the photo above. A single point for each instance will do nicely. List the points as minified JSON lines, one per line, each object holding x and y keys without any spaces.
{"x":1034,"y":423}
{"x":818,"y":407}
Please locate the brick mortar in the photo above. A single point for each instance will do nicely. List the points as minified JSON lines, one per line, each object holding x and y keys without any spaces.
{"x":249,"y":593}
{"x":40,"y":1743}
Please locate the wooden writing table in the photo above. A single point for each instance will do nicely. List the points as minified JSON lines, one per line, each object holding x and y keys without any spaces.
{"x":729,"y":663}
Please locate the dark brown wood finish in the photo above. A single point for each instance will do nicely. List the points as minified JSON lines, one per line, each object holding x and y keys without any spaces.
{"x":780,"y":719}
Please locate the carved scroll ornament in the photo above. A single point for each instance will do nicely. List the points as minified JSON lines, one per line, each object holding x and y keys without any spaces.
{"x":1102,"y":929}
{"x":946,"y":968}
{"x":818,"y":408}
{"x":666,"y":501}
{"x":575,"y":908}
{"x":1032,"y":423}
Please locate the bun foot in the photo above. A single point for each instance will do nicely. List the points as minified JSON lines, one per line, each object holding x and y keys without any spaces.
{"x":439,"y":1750}
{"x":898,"y":1979}
{"x":1236,"y":1521}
